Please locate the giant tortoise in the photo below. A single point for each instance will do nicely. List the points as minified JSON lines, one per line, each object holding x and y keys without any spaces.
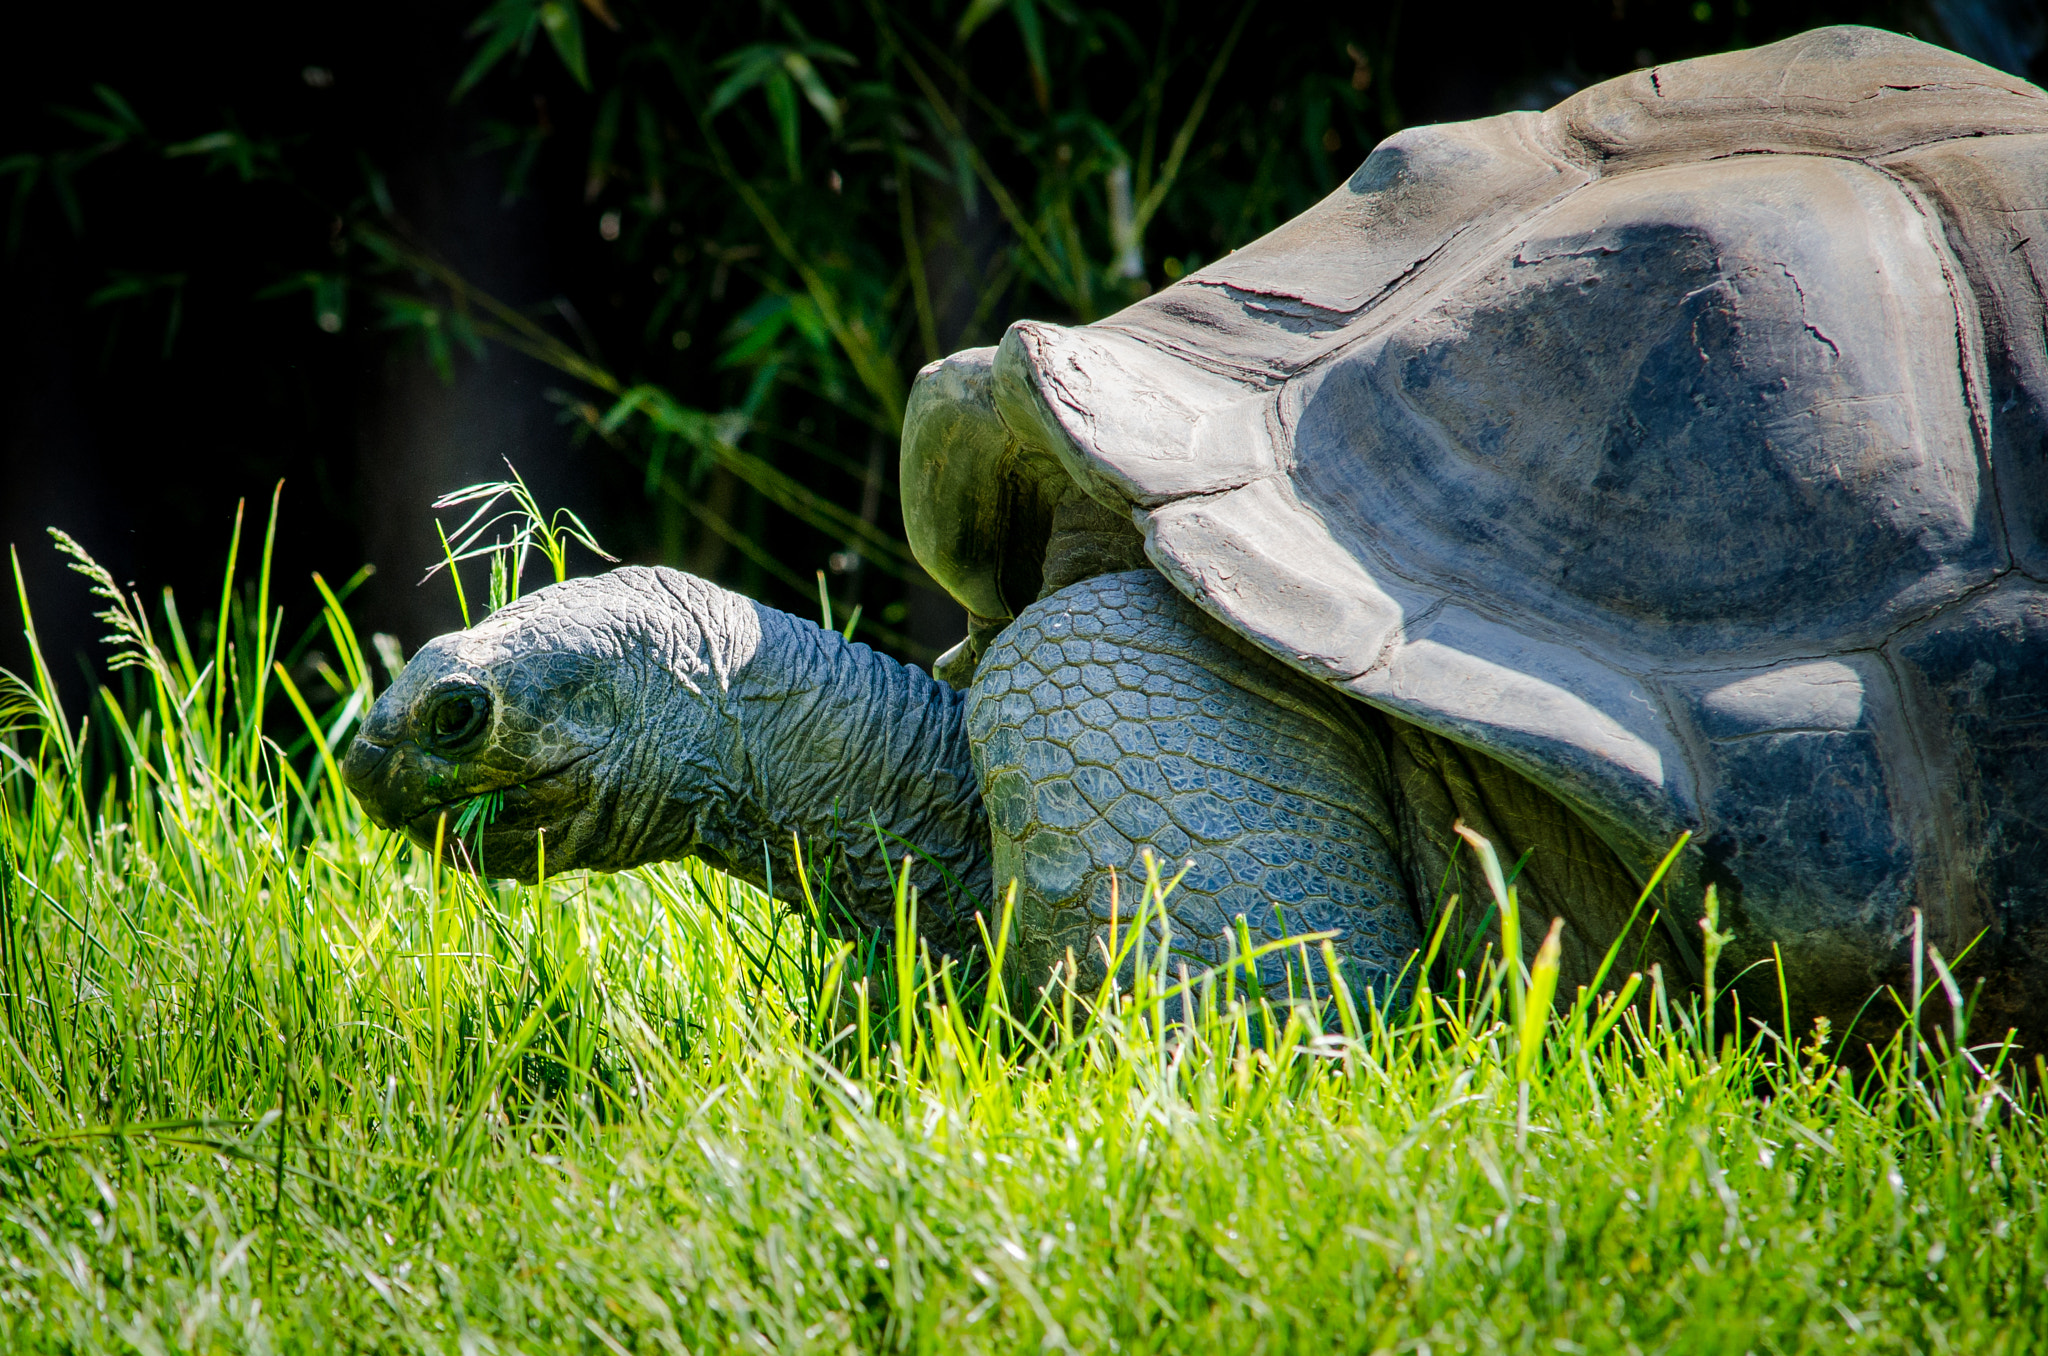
{"x":1673,"y":460}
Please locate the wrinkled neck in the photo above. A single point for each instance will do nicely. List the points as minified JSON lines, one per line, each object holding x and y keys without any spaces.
{"x":859,"y":758}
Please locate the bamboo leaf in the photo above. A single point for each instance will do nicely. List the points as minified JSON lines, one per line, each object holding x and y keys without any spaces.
{"x":564,"y":28}
{"x":781,"y":95}
{"x":977,"y":13}
{"x":813,"y":85}
{"x":750,"y":65}
{"x":121,"y":109}
{"x":506,"y":26}
{"x":1025,"y":12}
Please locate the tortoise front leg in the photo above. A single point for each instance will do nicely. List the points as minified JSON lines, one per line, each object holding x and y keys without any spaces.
{"x":1114,"y":716}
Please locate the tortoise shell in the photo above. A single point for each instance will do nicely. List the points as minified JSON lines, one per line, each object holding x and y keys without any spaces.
{"x":1684,"y":447}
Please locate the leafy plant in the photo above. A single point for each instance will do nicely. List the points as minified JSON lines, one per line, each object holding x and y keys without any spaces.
{"x":797,"y":211}
{"x":512,"y":533}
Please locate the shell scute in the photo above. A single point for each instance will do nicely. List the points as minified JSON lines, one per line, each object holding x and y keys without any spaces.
{"x":1590,"y":438}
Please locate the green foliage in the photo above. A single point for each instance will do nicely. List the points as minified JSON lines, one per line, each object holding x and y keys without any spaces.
{"x":275,"y":1080}
{"x":125,"y":285}
{"x":513,"y":532}
{"x":779,"y":72}
{"x":793,"y":210}
{"x":838,"y":261}
{"x":509,"y":26}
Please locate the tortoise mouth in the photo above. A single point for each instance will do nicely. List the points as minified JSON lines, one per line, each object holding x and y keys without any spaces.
{"x":524,"y":808}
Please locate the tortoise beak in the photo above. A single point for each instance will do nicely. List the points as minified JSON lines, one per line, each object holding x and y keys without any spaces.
{"x":368,"y":771}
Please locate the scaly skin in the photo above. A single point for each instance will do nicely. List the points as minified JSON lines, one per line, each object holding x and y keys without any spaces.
{"x":1113,"y":717}
{"x":646,"y":715}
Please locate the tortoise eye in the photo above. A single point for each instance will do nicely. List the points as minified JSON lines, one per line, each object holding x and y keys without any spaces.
{"x":457,"y":716}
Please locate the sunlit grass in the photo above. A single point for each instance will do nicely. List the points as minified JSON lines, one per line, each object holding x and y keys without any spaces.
{"x":272,"y":1081}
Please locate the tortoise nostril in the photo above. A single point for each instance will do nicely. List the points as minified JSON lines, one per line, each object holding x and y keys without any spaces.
{"x":361,"y":770}
{"x":362,"y":759}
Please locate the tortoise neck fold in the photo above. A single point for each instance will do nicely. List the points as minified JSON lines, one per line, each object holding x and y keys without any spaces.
{"x":862,"y":760}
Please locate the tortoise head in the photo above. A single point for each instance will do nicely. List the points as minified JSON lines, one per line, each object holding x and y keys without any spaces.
{"x":537,"y":730}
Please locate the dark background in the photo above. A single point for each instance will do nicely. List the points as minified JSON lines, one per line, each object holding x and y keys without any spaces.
{"x":147,"y":384}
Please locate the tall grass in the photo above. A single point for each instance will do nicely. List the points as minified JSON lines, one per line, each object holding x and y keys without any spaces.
{"x":275,"y":1080}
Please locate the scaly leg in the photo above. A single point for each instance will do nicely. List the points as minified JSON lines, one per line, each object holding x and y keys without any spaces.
{"x":1114,"y":716}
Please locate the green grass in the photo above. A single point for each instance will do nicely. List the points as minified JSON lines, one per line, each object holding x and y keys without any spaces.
{"x":272,"y":1082}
